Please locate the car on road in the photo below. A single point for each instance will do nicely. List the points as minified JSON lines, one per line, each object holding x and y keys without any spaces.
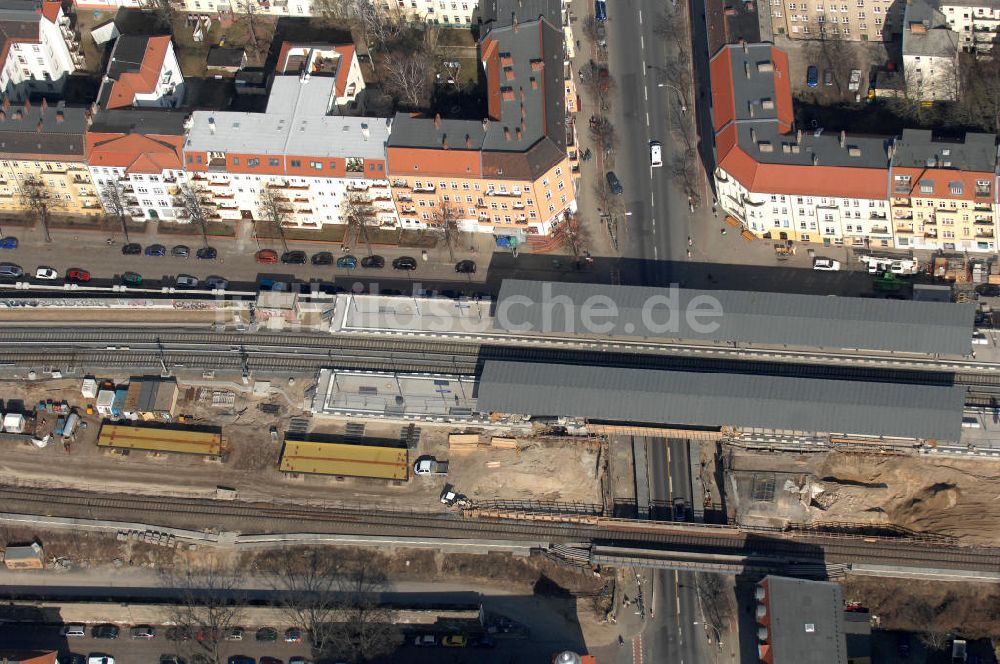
{"x":73,"y":630}
{"x":347,"y":262}
{"x":233,"y":634}
{"x":424,"y":640}
{"x":826,"y":264}
{"x":217,"y":283}
{"x":156,"y":250}
{"x":655,"y":154}
{"x":614,"y":184}
{"x":132,"y":279}
{"x":600,"y":10}
{"x":266,"y":256}
{"x":322,"y":258}
{"x":299,"y":660}
{"x":266,"y":634}
{"x":465,"y":267}
{"x":680,"y":509}
{"x":8,"y":243}
{"x":207,"y":253}
{"x":179,"y":634}
{"x":10,"y":271}
{"x":180,"y":251}
{"x":455,"y":641}
{"x":186,"y":281}
{"x":293,"y":257}
{"x":142,"y":632}
{"x":828,"y":77}
{"x":132,"y":249}
{"x":46,"y":273}
{"x":293,"y":635}
{"x":374,"y":262}
{"x":404,"y":263}
{"x":96,"y":658}
{"x":269,"y":660}
{"x":171,"y":659}
{"x":75,"y":275}
{"x":812,"y":76}
{"x":106,"y":631}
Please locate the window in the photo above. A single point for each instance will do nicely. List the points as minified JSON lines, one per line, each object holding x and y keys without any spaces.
{"x":273,"y":162}
{"x":316,"y":165}
{"x":253,"y":162}
{"x":295,"y":163}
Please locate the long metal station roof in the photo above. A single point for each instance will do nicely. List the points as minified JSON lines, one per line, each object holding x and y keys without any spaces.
{"x":763,"y":319}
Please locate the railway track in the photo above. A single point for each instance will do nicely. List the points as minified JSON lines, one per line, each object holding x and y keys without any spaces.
{"x":198,"y":514}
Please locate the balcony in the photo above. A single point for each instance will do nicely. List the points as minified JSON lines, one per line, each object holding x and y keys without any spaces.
{"x":983,"y":207}
{"x":518,"y":205}
{"x":876,"y":216}
{"x":904,"y":228}
{"x":219,"y":183}
{"x":400,"y":184}
{"x":880,"y":230}
{"x":899,"y":201}
{"x":505,"y":194}
{"x":981,"y":219}
{"x":908,"y":215}
{"x":128,"y":189}
{"x":931,"y":234}
{"x":988,"y":233}
{"x":425,"y":188}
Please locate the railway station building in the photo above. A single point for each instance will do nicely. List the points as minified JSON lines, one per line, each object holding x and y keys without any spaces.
{"x":396,"y":395}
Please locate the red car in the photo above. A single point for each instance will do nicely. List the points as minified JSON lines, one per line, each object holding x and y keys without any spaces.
{"x":77,"y":276}
{"x":266,"y":256}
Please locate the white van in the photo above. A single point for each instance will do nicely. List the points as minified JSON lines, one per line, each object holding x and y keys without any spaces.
{"x":655,"y":154}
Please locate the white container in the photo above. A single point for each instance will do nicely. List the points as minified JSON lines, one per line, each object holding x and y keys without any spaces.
{"x":13,"y":423}
{"x":89,"y":389}
{"x":105,"y":400}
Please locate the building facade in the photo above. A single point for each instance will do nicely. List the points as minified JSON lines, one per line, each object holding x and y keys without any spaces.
{"x":850,"y":20}
{"x":39,"y":48}
{"x":930,"y":54}
{"x":452,"y":13}
{"x":142,"y":72}
{"x":975,"y":21}
{"x":338,"y":61}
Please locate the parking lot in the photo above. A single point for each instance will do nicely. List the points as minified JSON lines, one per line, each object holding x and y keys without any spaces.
{"x":838,"y":58}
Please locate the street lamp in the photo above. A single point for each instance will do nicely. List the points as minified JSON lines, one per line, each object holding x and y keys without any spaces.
{"x":679,"y":95}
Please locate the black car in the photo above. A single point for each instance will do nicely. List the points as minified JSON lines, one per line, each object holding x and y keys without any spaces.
{"x":293,"y":257}
{"x":465,"y":267}
{"x":405,"y":263}
{"x":72,"y":658}
{"x":132,"y":249}
{"x":614,"y":184}
{"x":105,"y":632}
{"x":988,"y":290}
{"x":322,"y":258}
{"x":375,"y":262}
{"x":207,"y":253}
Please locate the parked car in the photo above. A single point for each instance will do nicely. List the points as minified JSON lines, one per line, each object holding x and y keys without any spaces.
{"x":217,"y":283}
{"x":266,"y":634}
{"x":106,"y":631}
{"x":293,"y":635}
{"x":233,"y":634}
{"x":293,"y":257}
{"x":207,"y":253}
{"x":614,"y":184}
{"x":988,"y":290}
{"x":655,"y":154}
{"x":132,"y":249}
{"x":299,"y":660}
{"x":73,"y":630}
{"x":180,"y":251}
{"x":46,"y":274}
{"x":171,"y":659}
{"x":404,"y":263}
{"x":8,"y":243}
{"x":322,"y":258}
{"x":96,"y":658}
{"x":465,"y":267}
{"x":241,"y":659}
{"x":680,"y":509}
{"x":266,"y":256}
{"x":826,"y":264}
{"x":455,"y":641}
{"x":812,"y":76}
{"x":156,"y":250}
{"x":186,"y":281}
{"x":10,"y":271}
{"x":374,"y":262}
{"x":828,"y":77}
{"x":347,"y":262}
{"x":142,"y":632}
{"x":269,"y":660}
{"x":600,"y":10}
{"x":77,"y":276}
{"x":423,"y":640}
{"x":132,"y":279}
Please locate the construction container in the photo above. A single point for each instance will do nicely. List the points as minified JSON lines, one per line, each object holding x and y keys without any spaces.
{"x":13,"y":423}
{"x":89,"y":389}
{"x":105,"y":402}
{"x":205,"y":442}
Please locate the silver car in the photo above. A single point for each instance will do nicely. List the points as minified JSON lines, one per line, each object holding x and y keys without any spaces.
{"x":186,"y":281}
{"x":11,"y":271}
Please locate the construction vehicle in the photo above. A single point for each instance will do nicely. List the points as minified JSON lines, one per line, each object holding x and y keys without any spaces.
{"x":887,"y":283}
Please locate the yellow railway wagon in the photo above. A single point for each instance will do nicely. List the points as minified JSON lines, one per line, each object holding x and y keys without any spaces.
{"x":160,"y":439}
{"x":321,"y":458}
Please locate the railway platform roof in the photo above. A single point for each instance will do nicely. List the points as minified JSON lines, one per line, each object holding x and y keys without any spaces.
{"x":747,"y":317}
{"x":895,"y":410}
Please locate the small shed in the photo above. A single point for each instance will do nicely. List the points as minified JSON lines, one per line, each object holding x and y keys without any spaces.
{"x":13,"y":423}
{"x":89,"y":389}
{"x":223,"y":59}
{"x":24,"y":557}
{"x":105,"y":402}
{"x":104,"y":32}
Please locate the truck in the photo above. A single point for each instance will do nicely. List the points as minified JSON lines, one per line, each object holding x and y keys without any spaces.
{"x":427,"y":465}
{"x":60,"y":426}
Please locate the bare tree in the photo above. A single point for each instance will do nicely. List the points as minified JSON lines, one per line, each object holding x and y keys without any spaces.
{"x":248,"y":9}
{"x":163,"y":10}
{"x":357,"y":212}
{"x":113,"y":196}
{"x":684,"y":170}
{"x":337,"y":603}
{"x":337,"y":11}
{"x":714,"y":598}
{"x":445,"y":221}
{"x":209,"y":602}
{"x":571,"y":235}
{"x":380,"y":25}
{"x":603,"y":132}
{"x":935,"y":640}
{"x":271,"y":207}
{"x":195,"y":200}
{"x":407,"y":77}
{"x":599,"y":83}
{"x":38,"y":199}
{"x":590,"y":29}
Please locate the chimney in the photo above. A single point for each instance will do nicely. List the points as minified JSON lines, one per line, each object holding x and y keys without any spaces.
{"x":537,"y":64}
{"x":524,"y":125}
{"x":27,"y":104}
{"x":506,"y":133}
{"x":60,"y":116}
{"x":38,"y":127}
{"x":843,"y":138}
{"x":743,"y":43}
{"x":437,"y":120}
{"x":444,"y":142}
{"x":366,"y":133}
{"x":753,"y":135}
{"x":798,"y":136}
{"x":3,"y":115}
{"x":522,"y":94}
{"x":517,"y":28}
{"x":18,"y":114}
{"x":211,"y":125}
{"x":6,"y":102}
{"x":486,"y":124}
{"x":45,"y":104}
{"x":519,"y":134}
{"x":524,"y":111}
{"x":534,"y":83}
{"x":815,"y":159}
{"x":468,"y":142}
{"x":746,"y":69}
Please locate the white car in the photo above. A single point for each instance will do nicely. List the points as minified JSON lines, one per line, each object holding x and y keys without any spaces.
{"x":100,"y":659}
{"x":46,"y":273}
{"x":826,"y":264}
{"x":655,"y":154}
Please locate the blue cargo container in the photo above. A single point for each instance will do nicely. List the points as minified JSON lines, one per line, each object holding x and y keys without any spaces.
{"x":601,"y":10}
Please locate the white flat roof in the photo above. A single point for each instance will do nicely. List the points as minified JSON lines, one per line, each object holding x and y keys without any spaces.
{"x":438,"y":315}
{"x":445,"y":397}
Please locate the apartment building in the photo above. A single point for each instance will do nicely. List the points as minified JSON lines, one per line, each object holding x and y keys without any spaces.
{"x":847,"y":20}
{"x":312,"y":160}
{"x":800,"y":622}
{"x":509,"y":173}
{"x":46,"y":143}
{"x":944,"y":192}
{"x":143,"y":72}
{"x":975,"y":22}
{"x":786,"y":184}
{"x":38,"y":48}
{"x":930,"y":53}
{"x":338,"y":61}
{"x":451,"y":13}
{"x":137,"y":156}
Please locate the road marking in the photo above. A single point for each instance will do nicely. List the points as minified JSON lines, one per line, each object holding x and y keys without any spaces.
{"x":652,"y":199}
{"x":645,"y":95}
{"x":644,"y":66}
{"x":647,"y":119}
{"x":656,"y":252}
{"x":637,"y":649}
{"x":642,"y":38}
{"x":640,"y":17}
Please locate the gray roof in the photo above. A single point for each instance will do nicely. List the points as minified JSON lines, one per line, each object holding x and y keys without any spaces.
{"x":936,"y":39}
{"x":796,"y":604}
{"x":415,"y":132}
{"x":27,"y":11}
{"x":807,"y":148}
{"x":220,"y":56}
{"x":34,"y":130}
{"x":753,"y":81}
{"x":168,"y":122}
{"x":645,"y":396}
{"x":919,"y":149}
{"x":763,"y":319}
{"x":501,"y":13}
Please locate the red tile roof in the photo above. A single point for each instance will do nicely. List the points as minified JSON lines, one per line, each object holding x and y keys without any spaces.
{"x":345,"y":51}
{"x":51,"y":9}
{"x":129,"y":84}
{"x":135,"y":153}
